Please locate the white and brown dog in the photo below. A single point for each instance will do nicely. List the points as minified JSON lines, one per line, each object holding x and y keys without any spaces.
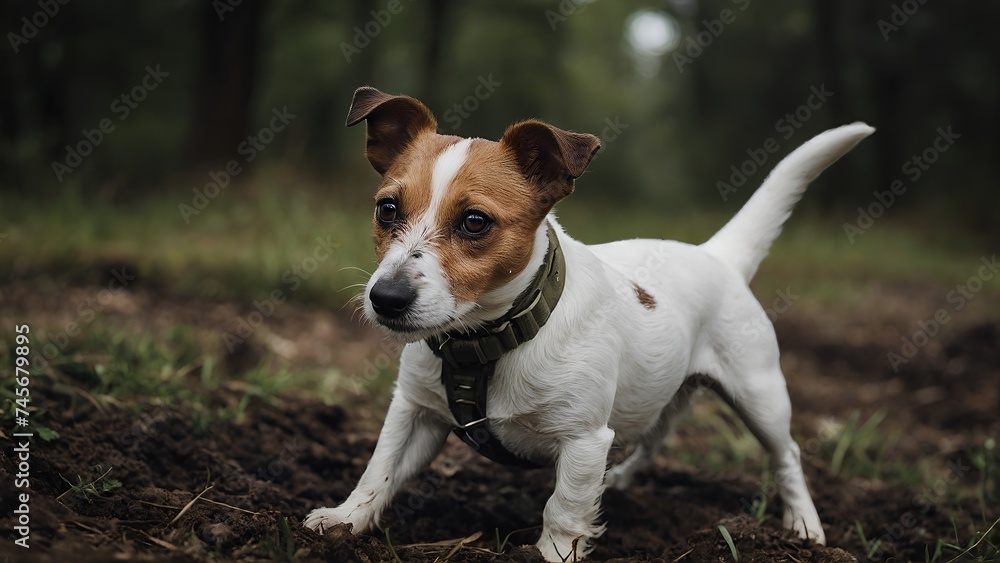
{"x":472,"y":263}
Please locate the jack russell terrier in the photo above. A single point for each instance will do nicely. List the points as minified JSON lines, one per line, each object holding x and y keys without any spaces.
{"x":539,"y":350}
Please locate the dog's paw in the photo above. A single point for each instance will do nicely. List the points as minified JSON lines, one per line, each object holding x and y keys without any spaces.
{"x":558,"y":548}
{"x":806,"y":527}
{"x":323,"y":519}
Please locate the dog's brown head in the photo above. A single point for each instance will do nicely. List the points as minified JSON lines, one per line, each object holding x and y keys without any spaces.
{"x":457,"y":221}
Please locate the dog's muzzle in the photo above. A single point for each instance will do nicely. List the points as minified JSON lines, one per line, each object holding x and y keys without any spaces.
{"x":392,"y":295}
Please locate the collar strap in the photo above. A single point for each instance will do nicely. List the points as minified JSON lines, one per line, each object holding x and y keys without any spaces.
{"x":469,"y":359}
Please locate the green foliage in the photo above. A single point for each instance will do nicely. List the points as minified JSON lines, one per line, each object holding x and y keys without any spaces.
{"x":45,"y":433}
{"x":392,"y":549}
{"x":758,"y":509}
{"x":281,"y":544}
{"x":729,"y":541}
{"x":238,"y":247}
{"x":986,"y":460}
{"x":858,"y":449}
{"x":869,"y":547}
{"x":175,"y":365}
{"x":980,"y":547}
{"x":501,"y":544}
{"x":10,"y":401}
{"x":89,"y":490}
{"x":247,"y":246}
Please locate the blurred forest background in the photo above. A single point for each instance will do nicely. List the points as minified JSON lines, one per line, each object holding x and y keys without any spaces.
{"x":683,"y":92}
{"x":184,"y":219}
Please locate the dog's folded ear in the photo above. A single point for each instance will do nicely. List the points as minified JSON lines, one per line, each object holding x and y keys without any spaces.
{"x":393,"y":123}
{"x":550,"y":158}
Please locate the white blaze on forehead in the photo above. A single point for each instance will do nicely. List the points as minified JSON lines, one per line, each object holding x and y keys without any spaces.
{"x":449,"y":162}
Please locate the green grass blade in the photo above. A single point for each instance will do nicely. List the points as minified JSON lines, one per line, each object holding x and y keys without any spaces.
{"x":729,"y":542}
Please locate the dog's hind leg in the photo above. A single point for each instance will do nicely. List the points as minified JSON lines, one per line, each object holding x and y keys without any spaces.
{"x":761,"y":399}
{"x":620,"y":476}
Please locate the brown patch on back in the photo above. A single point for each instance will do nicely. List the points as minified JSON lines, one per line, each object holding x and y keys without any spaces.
{"x":647,"y":300}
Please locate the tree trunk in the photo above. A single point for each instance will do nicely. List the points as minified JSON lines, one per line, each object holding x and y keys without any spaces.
{"x":224,"y":89}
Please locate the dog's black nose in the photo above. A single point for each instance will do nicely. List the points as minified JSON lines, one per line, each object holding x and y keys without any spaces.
{"x":391,"y":295}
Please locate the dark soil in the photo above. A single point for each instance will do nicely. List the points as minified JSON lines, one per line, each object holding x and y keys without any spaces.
{"x":290,"y":455}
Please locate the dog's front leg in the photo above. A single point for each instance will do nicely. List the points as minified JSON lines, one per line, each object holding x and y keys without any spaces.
{"x":411,"y":437}
{"x":569,"y":520}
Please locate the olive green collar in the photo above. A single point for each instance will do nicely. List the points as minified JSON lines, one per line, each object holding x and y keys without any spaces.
{"x":469,"y":359}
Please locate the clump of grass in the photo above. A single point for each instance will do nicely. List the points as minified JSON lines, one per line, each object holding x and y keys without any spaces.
{"x":236,"y":248}
{"x":502,"y":544}
{"x":282,"y":546}
{"x":759,"y":507}
{"x":92,"y":489}
{"x":11,"y":402}
{"x":986,"y":459}
{"x":729,"y":541}
{"x":858,"y":449}
{"x":240,"y":245}
{"x":870,"y":547}
{"x":108,"y":364}
{"x":731,"y":445}
{"x":979,"y":547}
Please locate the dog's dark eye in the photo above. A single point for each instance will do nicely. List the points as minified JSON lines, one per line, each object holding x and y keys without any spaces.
{"x":475,"y":223}
{"x":387,"y":212}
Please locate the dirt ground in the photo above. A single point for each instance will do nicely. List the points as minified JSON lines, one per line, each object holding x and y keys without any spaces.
{"x":257,"y":479}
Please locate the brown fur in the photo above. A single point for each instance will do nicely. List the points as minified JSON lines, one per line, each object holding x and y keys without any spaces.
{"x":515,"y":182}
{"x":493,"y":186}
{"x":408,"y":180}
{"x":647,"y":300}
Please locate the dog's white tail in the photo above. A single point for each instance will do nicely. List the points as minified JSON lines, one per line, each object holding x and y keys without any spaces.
{"x":745,"y":240}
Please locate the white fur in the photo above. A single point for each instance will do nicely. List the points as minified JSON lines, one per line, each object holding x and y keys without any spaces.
{"x":760,"y":220}
{"x":608,"y":371}
{"x":448,"y":163}
{"x":435,"y":310}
